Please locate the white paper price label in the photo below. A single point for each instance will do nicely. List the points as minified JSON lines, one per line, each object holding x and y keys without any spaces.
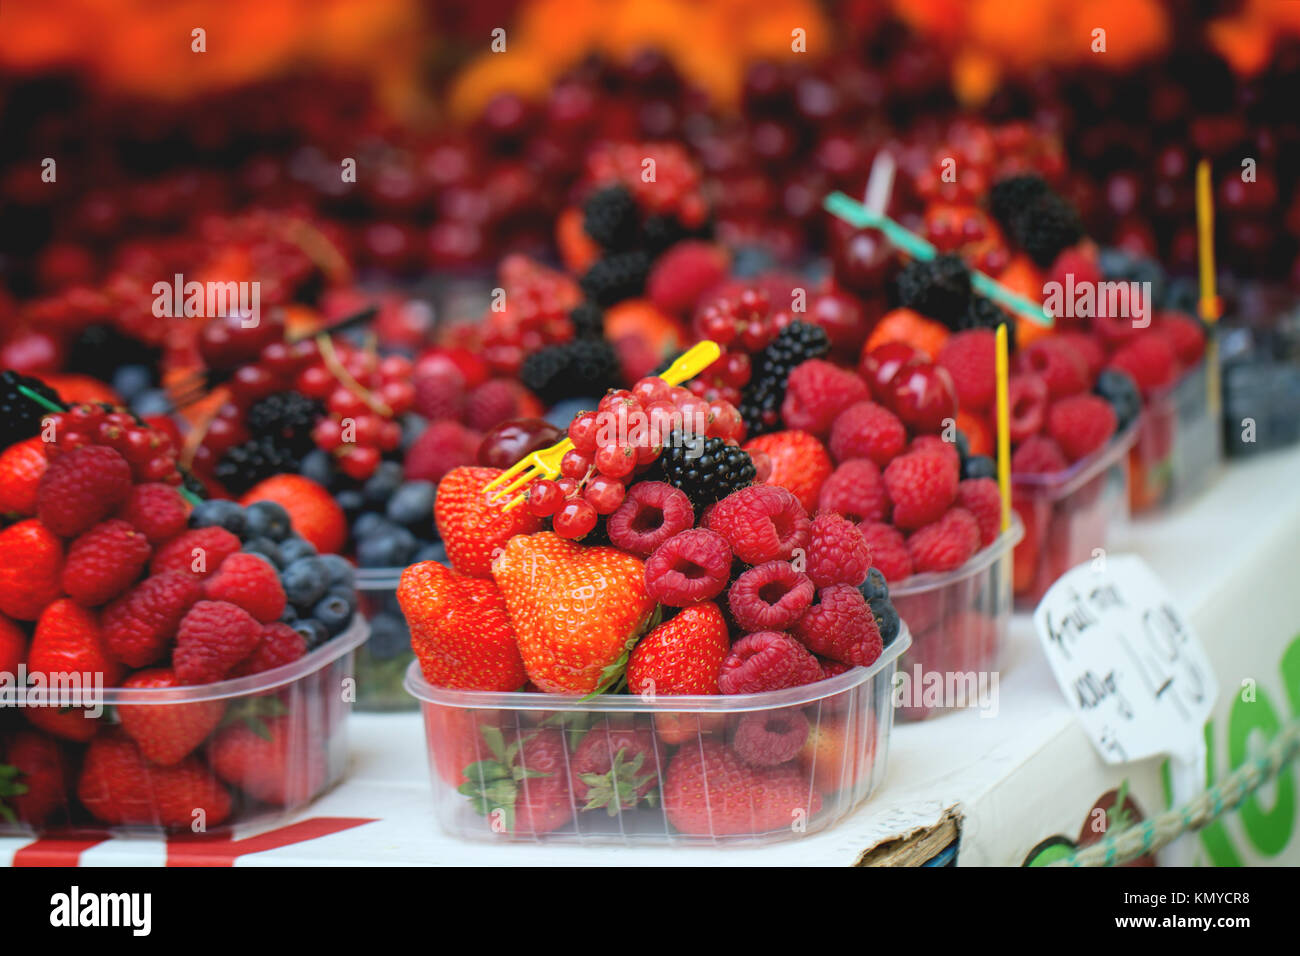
{"x":1128,"y":663}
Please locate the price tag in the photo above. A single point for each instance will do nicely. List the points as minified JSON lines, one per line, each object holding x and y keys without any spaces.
{"x":1128,"y":662}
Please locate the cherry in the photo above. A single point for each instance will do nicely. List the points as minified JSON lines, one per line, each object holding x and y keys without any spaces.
{"x":879,"y":366}
{"x":923,"y":397}
{"x":514,"y":438}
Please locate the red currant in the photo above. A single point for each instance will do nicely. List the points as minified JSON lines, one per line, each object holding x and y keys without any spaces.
{"x":544,"y":498}
{"x":575,"y":464}
{"x":615,"y":460}
{"x":575,"y":519}
{"x":582,"y":432}
{"x":359,"y":462}
{"x":604,"y":493}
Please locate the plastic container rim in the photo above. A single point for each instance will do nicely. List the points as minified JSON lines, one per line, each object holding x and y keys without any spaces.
{"x":1058,"y":484}
{"x":932,"y":580}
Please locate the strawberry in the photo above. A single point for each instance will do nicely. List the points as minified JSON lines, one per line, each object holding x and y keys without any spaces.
{"x":831,"y":755}
{"x":13,"y":646}
{"x":68,"y":640}
{"x":117,"y":785}
{"x":167,"y":733}
{"x":21,"y":467}
{"x":681,"y":656}
{"x":31,"y":563}
{"x":615,"y":768}
{"x":523,"y":788}
{"x":460,"y":629}
{"x":709,"y":791}
{"x":274,"y":759}
{"x":800,"y":463}
{"x":575,"y":609}
{"x":456,"y":737}
{"x":473,"y":528}
{"x":312,"y":510}
{"x":33,"y":785}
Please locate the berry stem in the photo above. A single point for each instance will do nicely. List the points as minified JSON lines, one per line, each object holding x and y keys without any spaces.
{"x":40,"y":400}
{"x":331,"y":359}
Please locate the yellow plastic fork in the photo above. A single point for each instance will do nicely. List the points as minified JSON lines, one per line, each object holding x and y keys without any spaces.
{"x":545,"y":463}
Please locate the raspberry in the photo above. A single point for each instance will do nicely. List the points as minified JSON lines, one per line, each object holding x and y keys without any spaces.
{"x":921,"y":487}
{"x":817,"y":392}
{"x":934,"y":445}
{"x":279,"y":645}
{"x":1149,"y":358}
{"x":833,"y":668}
{"x":760,"y":523}
{"x":769,"y":597}
{"x":889,"y":553}
{"x":651,"y":513}
{"x":213,"y":637}
{"x":946,"y":544}
{"x":1087,"y":348}
{"x":867,"y":430}
{"x":31,"y":566}
{"x":82,"y":487}
{"x":771,"y":738}
{"x":980,"y":496}
{"x":1184,"y":334}
{"x":841,"y":626}
{"x":1081,"y":424}
{"x":442,"y":446}
{"x":250,"y":582}
{"x":1063,"y":370}
{"x":837,"y":552}
{"x":971,"y":359}
{"x":689,"y":567}
{"x":157,"y":511}
{"x":1038,"y":455}
{"x":494,"y":402}
{"x":439,"y":390}
{"x":856,"y":490}
{"x":1027,"y":406}
{"x":684,"y":273}
{"x":197,"y":553}
{"x":767,"y":660}
{"x":103,"y":562}
{"x":799,"y":463}
{"x":140,"y":624}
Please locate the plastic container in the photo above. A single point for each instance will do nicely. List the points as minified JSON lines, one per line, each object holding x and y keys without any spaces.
{"x":1259,"y":346}
{"x":383,"y":659}
{"x":1068,"y":515}
{"x":1179,"y":445}
{"x":267,"y":745}
{"x":834,"y":743}
{"x":958,"y":622}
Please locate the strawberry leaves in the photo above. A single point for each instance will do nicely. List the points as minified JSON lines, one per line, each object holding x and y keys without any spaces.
{"x":10,"y":786}
{"x":492,"y":786}
{"x":618,"y":788}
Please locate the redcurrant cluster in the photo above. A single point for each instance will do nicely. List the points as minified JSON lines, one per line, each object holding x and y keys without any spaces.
{"x":674,"y":190}
{"x":743,"y":324}
{"x":150,"y":452}
{"x":536,"y":314}
{"x":974,"y":155}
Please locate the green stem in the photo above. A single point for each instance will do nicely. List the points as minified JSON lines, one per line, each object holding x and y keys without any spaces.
{"x":40,"y":400}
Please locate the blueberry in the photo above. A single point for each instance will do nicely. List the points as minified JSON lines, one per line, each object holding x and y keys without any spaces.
{"x":152,"y":402}
{"x":333,"y":612}
{"x":369,"y":525}
{"x":313,"y":631}
{"x":293,"y":547}
{"x":345,"y":593}
{"x":388,"y":637}
{"x":564,"y":411}
{"x":413,"y":427}
{"x":979,"y":466}
{"x":219,"y":513}
{"x":963,"y":445}
{"x":130,"y":380}
{"x":435,"y":551}
{"x":1119,"y":389}
{"x":886,"y":619}
{"x":381,"y":486}
{"x":266,"y":519}
{"x":338,"y":570}
{"x":290,"y":615}
{"x":318,"y":466}
{"x":267,"y":549}
{"x":391,"y":548}
{"x":305,"y":581}
{"x":351,"y":501}
{"x":874,"y":586}
{"x":412,"y":503}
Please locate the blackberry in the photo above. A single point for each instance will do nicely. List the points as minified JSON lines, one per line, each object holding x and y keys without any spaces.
{"x":101,"y":349}
{"x":287,"y":419}
{"x":616,"y":277}
{"x":609,"y":217}
{"x":660,"y":232}
{"x":707,"y":469}
{"x":245,"y":465}
{"x":760,"y":403}
{"x":1011,"y":196}
{"x":1121,"y":391}
{"x":939,"y":288}
{"x":1048,"y":227}
{"x":20,"y":417}
{"x":588,"y":321}
{"x":573,"y":370}
{"x":984,"y":313}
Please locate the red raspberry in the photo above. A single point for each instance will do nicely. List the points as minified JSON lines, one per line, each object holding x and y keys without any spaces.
{"x":769,"y":738}
{"x":31,"y":569}
{"x":867,"y":430}
{"x":1027,"y":406}
{"x":82,"y":487}
{"x":494,"y":402}
{"x":1149,"y":358}
{"x":817,"y":392}
{"x":1081,"y":424}
{"x":442,"y":446}
{"x":197,"y":553}
{"x":1184,"y":334}
{"x":760,"y":523}
{"x":837,"y":552}
{"x":856,"y":490}
{"x":980,"y":496}
{"x":767,"y":660}
{"x":833,"y":668}
{"x":841,"y":626}
{"x":651,"y":513}
{"x":439,"y":389}
{"x":971,"y":359}
{"x":157,"y":511}
{"x":921,"y":487}
{"x":1063,"y":370}
{"x":213,"y":637}
{"x":1038,"y":455}
{"x":103,"y":562}
{"x":684,"y":273}
{"x":946,"y":544}
{"x":1088,"y":349}
{"x":279,"y":645}
{"x":799,"y":463}
{"x":140,"y":624}
{"x":889,"y":553}
{"x":934,"y":445}
{"x":248,"y":581}
{"x":769,"y":597}
{"x":689,"y":567}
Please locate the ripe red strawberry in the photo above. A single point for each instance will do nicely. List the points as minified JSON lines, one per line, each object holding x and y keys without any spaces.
{"x":523,"y":786}
{"x":709,"y":791}
{"x":313,"y":512}
{"x":68,"y":640}
{"x":13,"y":646}
{"x":472,"y":527}
{"x":274,"y":759}
{"x":615,"y":767}
{"x":457,"y":739}
{"x":82,"y":487}
{"x":167,"y":733}
{"x":103,"y":562}
{"x":279,"y":645}
{"x":248,"y":581}
{"x":117,"y":785}
{"x":575,"y":609}
{"x":33,"y":779}
{"x":460,"y":629}
{"x":831,"y":754}
{"x":157,"y":511}
{"x":21,"y":468}
{"x":212,"y":638}
{"x":681,"y":656}
{"x":800,"y":463}
{"x":197,"y":553}
{"x":139,"y":626}
{"x":31,"y":564}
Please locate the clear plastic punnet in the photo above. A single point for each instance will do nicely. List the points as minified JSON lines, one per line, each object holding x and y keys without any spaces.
{"x":181,"y":760}
{"x":958,"y":621}
{"x":739,"y":769}
{"x":383,"y":659}
{"x":1179,"y":445}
